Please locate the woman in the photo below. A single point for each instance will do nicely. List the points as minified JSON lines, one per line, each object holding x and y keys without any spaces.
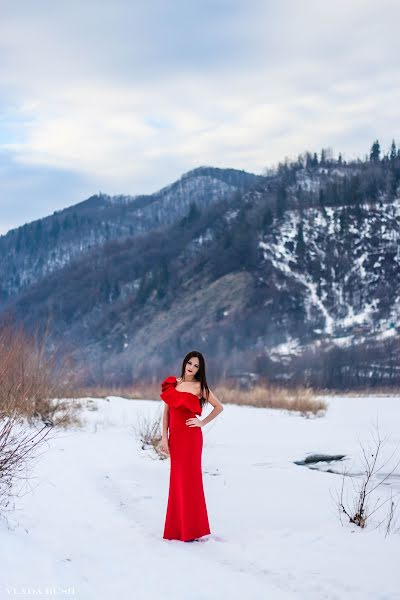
{"x":186,"y":518}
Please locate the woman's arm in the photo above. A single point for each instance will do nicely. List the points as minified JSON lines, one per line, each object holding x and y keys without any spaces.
{"x":164,"y":437}
{"x":218,"y":408}
{"x":165,"y":422}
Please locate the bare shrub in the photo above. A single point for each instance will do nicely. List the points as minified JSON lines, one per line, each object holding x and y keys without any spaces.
{"x":358,"y":510}
{"x":148,"y":432}
{"x":33,"y":381}
{"x":18,"y":446}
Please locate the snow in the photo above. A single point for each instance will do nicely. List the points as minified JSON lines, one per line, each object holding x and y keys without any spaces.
{"x":92,"y":523}
{"x":290,"y":347}
{"x":366,"y":313}
{"x":345,"y":340}
{"x":372,"y":242}
{"x":359,"y":263}
{"x":388,"y":333}
{"x":281,"y":258}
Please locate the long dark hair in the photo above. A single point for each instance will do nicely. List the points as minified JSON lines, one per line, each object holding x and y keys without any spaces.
{"x":200,"y":375}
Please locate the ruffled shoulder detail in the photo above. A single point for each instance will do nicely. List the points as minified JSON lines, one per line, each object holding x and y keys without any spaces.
{"x":177,"y":399}
{"x":168,"y":383}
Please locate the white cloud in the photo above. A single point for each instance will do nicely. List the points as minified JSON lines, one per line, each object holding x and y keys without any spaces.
{"x":128,"y":96}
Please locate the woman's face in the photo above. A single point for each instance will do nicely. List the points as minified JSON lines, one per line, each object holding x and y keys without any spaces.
{"x":192,"y":366}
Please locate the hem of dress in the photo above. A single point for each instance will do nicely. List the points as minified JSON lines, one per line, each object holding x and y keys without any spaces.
{"x":186,"y":539}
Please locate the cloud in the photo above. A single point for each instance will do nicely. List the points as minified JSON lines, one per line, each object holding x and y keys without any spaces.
{"x":125,"y":97}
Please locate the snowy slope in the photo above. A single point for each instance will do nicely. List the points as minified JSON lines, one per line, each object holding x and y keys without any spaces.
{"x":93,"y":522}
{"x":348,"y":267}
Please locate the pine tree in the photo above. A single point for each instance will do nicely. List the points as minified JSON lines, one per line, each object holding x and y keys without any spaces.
{"x":281,"y":201}
{"x":38,"y":232}
{"x":300,"y":244}
{"x":115,"y":291}
{"x":343,"y":220}
{"x":267,"y":219}
{"x":309,"y":160}
{"x":194,"y":213}
{"x":375,"y":151}
{"x":393,"y":151}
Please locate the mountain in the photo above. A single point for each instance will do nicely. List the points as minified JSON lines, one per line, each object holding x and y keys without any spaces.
{"x":293,"y":275}
{"x":37,"y":249}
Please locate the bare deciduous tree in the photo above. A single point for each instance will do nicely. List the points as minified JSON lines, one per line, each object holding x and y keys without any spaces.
{"x":359,"y":510}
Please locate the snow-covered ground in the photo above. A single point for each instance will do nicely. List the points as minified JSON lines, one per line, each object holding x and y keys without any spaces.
{"x":91,"y":528}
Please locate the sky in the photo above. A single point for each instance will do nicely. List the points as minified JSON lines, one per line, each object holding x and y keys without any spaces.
{"x":124,"y":97}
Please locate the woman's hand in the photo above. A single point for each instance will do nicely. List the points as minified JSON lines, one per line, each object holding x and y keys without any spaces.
{"x":194,"y":422}
{"x":164,"y":445}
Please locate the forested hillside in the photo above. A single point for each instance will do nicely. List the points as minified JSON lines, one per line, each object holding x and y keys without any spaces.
{"x":293,"y":274}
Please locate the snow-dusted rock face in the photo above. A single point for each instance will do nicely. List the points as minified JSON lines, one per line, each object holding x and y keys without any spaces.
{"x":345,"y":263}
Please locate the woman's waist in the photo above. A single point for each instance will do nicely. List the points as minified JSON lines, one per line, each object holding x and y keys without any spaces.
{"x":179,"y":418}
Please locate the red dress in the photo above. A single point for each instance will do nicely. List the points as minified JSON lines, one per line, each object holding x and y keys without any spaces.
{"x":186,"y":517}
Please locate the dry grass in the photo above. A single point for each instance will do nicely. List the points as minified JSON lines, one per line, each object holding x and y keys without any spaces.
{"x":146,"y":391}
{"x":301,"y":399}
{"x":366,"y":391}
{"x":34,"y":384}
{"x":151,"y":390}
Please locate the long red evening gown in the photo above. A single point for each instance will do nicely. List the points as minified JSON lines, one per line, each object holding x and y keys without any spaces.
{"x":186,"y":517}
